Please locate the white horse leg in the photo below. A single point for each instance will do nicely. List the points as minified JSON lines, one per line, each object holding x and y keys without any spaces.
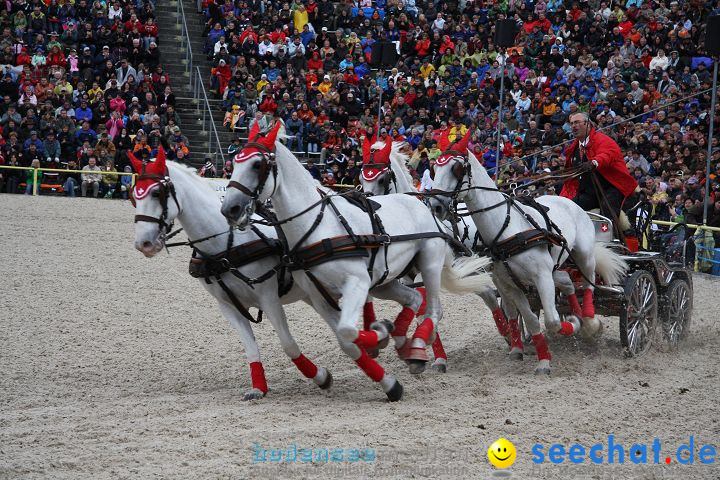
{"x":354,"y":294}
{"x":392,"y":388}
{"x":252,"y":353}
{"x":565,"y":284}
{"x":276,"y":315}
{"x":586,"y":263}
{"x":409,"y":298}
{"x":430,"y":264}
{"x":511,"y":295}
{"x":546,"y":291}
{"x":490,"y":298}
{"x":533,"y":325}
{"x":440,"y":363}
{"x":368,"y":313}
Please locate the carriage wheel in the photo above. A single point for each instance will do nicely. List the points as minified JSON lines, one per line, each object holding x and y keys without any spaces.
{"x":676,"y":317}
{"x":638,"y":320}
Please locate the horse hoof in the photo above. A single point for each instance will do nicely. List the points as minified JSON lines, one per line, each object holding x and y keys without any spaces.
{"x":417,"y":353}
{"x":542,"y":371}
{"x":440,"y":367}
{"x":404,"y":351}
{"x":516,"y":354}
{"x":328,"y":381}
{"x":378,"y":327}
{"x":417,"y":366}
{"x":590,"y":328}
{"x":395,"y":393}
{"x":253,"y":394}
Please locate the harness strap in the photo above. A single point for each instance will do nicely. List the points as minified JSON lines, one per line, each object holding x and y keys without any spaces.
{"x":323,"y":291}
{"x":236,"y":302}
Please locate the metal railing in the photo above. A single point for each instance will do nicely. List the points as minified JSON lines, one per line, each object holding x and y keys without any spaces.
{"x":185,"y":42}
{"x":208,"y":122}
{"x":61,"y":170}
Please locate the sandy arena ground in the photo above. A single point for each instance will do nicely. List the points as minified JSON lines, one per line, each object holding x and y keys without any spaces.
{"x":117,"y":366}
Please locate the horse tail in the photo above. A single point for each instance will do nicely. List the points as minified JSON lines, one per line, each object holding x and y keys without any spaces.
{"x":466,"y":274}
{"x":609,"y":265}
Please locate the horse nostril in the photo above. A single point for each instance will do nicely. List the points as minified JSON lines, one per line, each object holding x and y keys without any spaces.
{"x":438,"y":209}
{"x":235,"y":211}
{"x":147,"y":245}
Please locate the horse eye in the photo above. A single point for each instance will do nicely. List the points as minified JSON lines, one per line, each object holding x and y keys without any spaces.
{"x":256,"y":165}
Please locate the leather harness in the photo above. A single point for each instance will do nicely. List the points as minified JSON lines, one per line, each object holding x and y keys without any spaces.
{"x":502,"y":251}
{"x":352,"y":245}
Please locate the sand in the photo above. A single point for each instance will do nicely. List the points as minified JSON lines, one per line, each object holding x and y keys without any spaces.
{"x":117,"y":366}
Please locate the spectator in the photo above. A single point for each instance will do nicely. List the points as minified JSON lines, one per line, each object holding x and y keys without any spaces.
{"x":30,"y":177}
{"x":91,"y":179}
{"x":71,"y":180}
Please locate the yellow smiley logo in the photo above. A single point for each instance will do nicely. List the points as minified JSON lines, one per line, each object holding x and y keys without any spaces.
{"x":502,"y":453}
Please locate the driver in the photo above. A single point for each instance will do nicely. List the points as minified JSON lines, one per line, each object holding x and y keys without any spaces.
{"x":595,"y":151}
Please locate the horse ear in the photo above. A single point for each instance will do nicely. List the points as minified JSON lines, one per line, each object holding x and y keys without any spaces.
{"x":159,"y":164}
{"x":254,"y":131}
{"x":444,"y":141}
{"x":136,"y":164}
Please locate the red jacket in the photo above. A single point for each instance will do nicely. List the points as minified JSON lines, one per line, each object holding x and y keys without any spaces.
{"x":611,"y":164}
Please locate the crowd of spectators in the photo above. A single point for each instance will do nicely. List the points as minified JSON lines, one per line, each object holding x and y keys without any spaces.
{"x":81,"y":82}
{"x":638,"y":65}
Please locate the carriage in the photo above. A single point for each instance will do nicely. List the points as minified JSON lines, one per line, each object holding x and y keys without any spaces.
{"x":657,"y":295}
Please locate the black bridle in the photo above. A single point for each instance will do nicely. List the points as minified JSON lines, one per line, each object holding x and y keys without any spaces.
{"x":164,"y":190}
{"x":265,"y":167}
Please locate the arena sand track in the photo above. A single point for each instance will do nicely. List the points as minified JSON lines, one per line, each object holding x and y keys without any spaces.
{"x":117,"y":366}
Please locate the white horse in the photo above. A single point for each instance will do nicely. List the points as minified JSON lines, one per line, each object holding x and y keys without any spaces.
{"x":394,"y":177}
{"x":167,"y":191}
{"x":385,"y":176}
{"x":266,"y":169}
{"x":499,"y":218}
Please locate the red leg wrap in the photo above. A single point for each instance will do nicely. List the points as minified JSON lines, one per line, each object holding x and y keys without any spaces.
{"x":371,"y":368}
{"x":574,"y":305}
{"x":423,"y":305}
{"x":257,"y":374}
{"x":305,"y":366}
{"x":500,"y":321}
{"x":368,"y":315}
{"x":541,"y":347}
{"x":403,"y":321}
{"x":424,"y":330}
{"x":438,"y":349}
{"x":515,"y":340}
{"x":566,"y":328}
{"x":367,"y":339}
{"x":588,"y":308}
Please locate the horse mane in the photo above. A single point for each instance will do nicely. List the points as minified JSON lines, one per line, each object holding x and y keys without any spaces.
{"x":398,"y":159}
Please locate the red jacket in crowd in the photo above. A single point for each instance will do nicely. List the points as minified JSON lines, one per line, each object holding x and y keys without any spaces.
{"x":611,"y":164}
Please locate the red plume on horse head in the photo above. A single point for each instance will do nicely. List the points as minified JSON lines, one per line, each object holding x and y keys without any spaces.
{"x":367,"y":146}
{"x":451,"y":151}
{"x":383,"y":155}
{"x":157,"y":168}
{"x":267,"y":142}
{"x":461,"y":145}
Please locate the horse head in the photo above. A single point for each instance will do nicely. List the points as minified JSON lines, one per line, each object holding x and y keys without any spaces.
{"x":452,"y":172}
{"x":254,"y":176}
{"x":153,"y":196}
